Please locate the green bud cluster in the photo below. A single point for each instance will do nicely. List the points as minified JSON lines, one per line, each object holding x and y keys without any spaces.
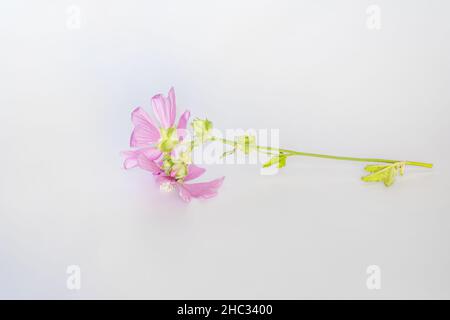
{"x":202,"y":129}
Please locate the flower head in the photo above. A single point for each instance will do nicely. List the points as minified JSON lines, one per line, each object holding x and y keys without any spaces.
{"x":164,"y":133}
{"x":169,"y":180}
{"x":163,"y":149}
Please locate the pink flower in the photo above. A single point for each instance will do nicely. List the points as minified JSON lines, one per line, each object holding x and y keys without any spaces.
{"x":156,"y":142}
{"x":201,"y":190}
{"x":146,"y":133}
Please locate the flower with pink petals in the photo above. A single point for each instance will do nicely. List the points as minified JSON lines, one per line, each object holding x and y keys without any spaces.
{"x":202,"y":190}
{"x":156,"y":144}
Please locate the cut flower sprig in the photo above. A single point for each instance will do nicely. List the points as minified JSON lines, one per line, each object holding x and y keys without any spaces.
{"x":164,"y":147}
{"x":377,"y":173}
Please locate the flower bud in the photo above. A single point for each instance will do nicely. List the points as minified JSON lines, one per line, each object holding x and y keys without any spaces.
{"x":202,"y":129}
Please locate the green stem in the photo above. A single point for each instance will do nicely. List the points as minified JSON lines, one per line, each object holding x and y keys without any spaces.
{"x":325,"y":156}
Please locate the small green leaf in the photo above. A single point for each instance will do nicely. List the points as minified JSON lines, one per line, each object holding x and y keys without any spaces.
{"x":374,"y":167}
{"x":384,"y":173}
{"x":271,"y":162}
{"x":280,"y":161}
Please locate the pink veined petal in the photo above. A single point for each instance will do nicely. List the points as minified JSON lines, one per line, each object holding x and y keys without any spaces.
{"x":203,"y":190}
{"x":131,"y":156}
{"x":159,"y":162}
{"x":142,"y":137}
{"x":140,"y":117}
{"x":151,"y":153}
{"x":182,"y":124}
{"x":130,"y":159}
{"x":160,"y":179}
{"x":184,"y":118}
{"x":173,"y":105}
{"x":147,"y":164}
{"x":130,"y":163}
{"x":165,"y":108}
{"x":184,"y":194}
{"x":194,"y":172}
{"x":173,"y":173}
{"x":145,"y":132}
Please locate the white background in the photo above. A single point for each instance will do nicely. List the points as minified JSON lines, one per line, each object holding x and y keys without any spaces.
{"x":312,"y":69}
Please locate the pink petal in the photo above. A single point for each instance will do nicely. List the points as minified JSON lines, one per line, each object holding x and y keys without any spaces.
{"x":145,"y":133}
{"x":147,"y":164}
{"x":140,"y":117}
{"x":194,"y":172}
{"x":165,"y":108}
{"x":151,"y":153}
{"x":131,"y":156}
{"x":203,"y":190}
{"x":130,"y":163}
{"x":160,"y":179}
{"x":182,"y":124}
{"x":184,"y":194}
{"x":173,"y":104}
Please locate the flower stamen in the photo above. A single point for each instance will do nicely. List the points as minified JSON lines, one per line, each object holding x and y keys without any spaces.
{"x":166,"y":187}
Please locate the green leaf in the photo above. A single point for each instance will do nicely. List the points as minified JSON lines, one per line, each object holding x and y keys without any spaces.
{"x":384,"y":173}
{"x":374,"y":167}
{"x":280,"y":161}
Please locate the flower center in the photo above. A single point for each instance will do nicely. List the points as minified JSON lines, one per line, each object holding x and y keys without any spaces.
{"x":169,"y":139}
